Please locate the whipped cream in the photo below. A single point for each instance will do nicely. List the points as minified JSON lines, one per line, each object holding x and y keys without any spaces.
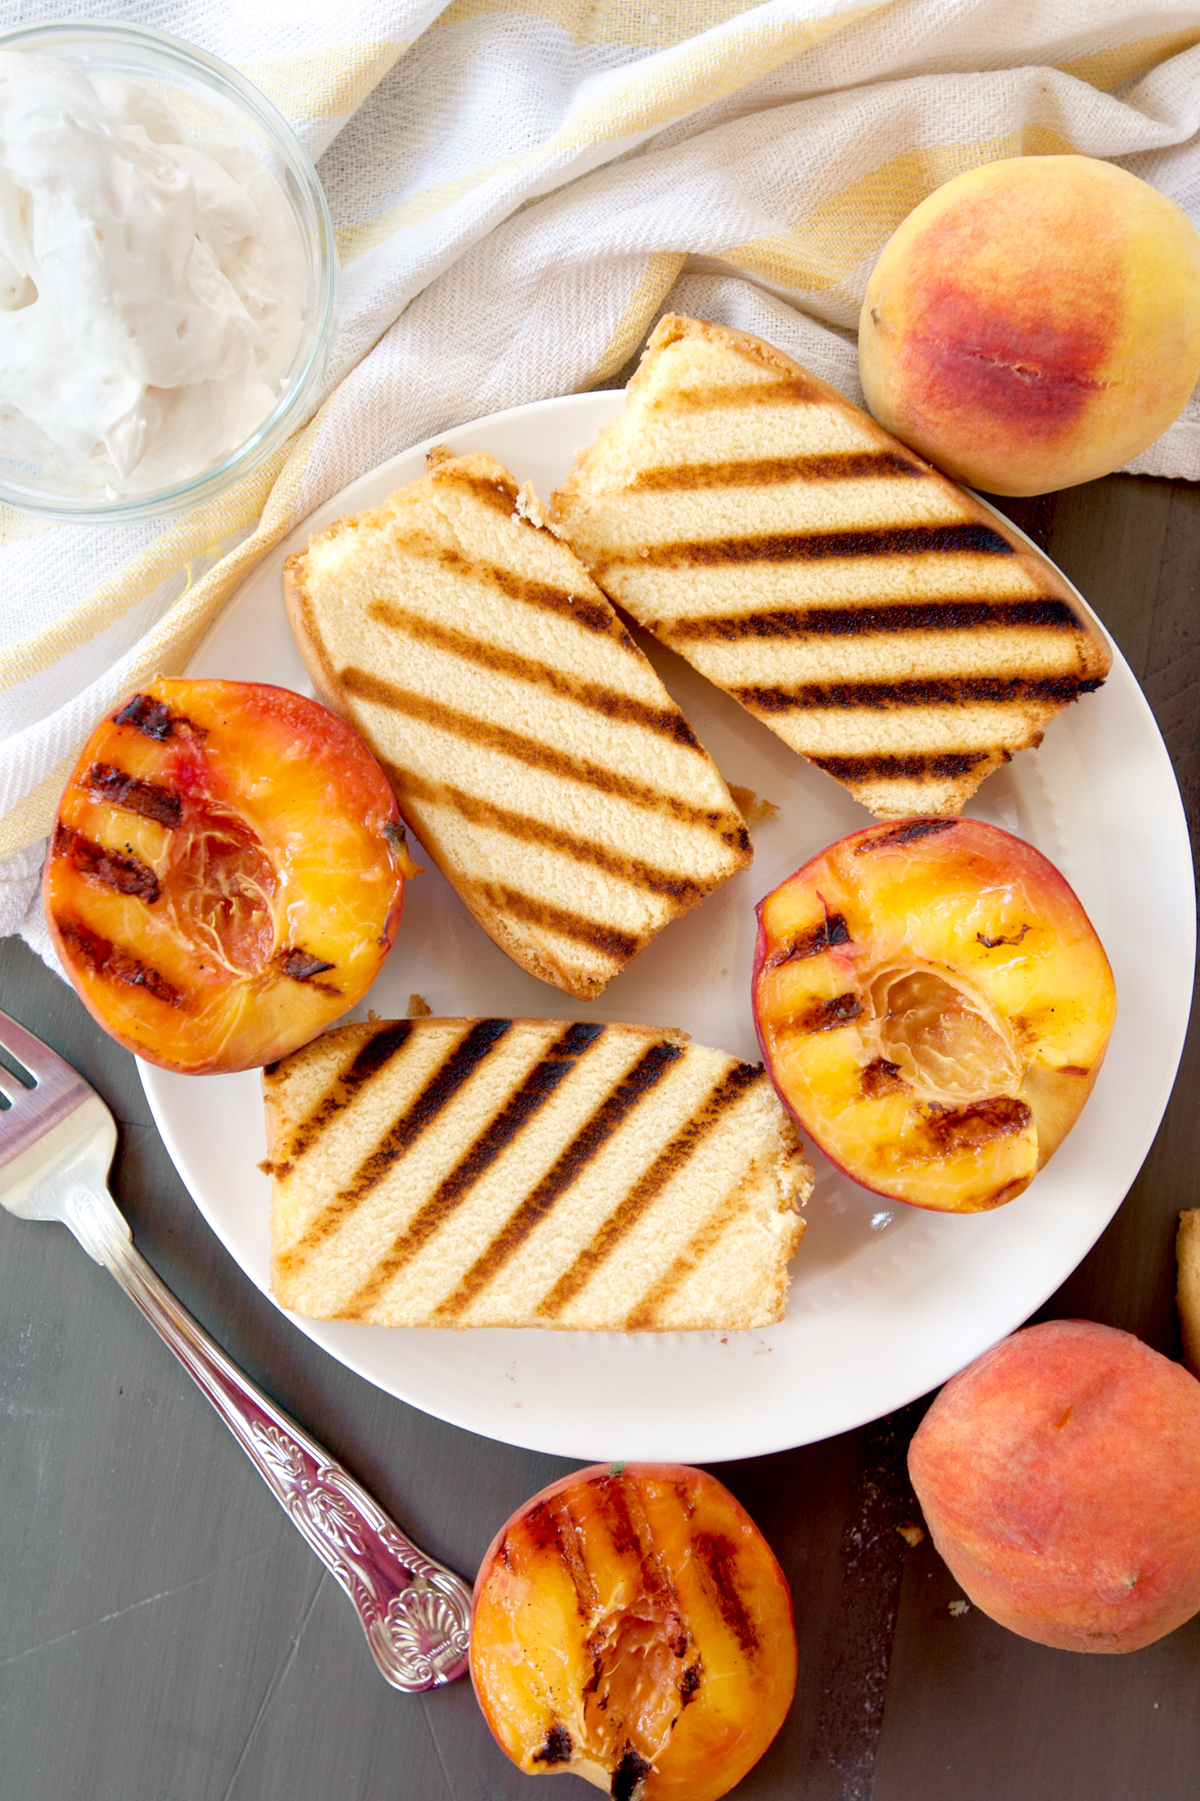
{"x":151,"y":284}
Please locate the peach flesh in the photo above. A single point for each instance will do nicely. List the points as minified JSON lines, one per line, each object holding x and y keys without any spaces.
{"x":1059,"y":1476}
{"x":1034,"y":323}
{"x":632,"y":1626}
{"x":226,"y":874}
{"x":933,"y":1006}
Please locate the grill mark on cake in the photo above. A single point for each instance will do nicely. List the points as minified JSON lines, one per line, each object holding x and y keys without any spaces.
{"x":919,"y":767}
{"x":591,"y":612}
{"x":644,"y":1317}
{"x":869,"y":621}
{"x":807,"y":547}
{"x":793,"y":390}
{"x":670,"y":1160}
{"x":541,"y":1082}
{"x":606,"y":1119}
{"x":492,"y":491}
{"x":111,"y":962}
{"x":123,"y":874}
{"x":530,"y":751}
{"x":948,"y":691}
{"x":668,"y":722}
{"x":847,"y":465}
{"x":480,"y":812}
{"x":363,"y":1067}
{"x":146,"y":799}
{"x":401,"y":1135}
{"x":578,"y":927}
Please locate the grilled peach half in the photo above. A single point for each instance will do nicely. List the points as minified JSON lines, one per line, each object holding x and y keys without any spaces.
{"x":226,"y":873}
{"x":933,"y":1005}
{"x":632,"y":1627}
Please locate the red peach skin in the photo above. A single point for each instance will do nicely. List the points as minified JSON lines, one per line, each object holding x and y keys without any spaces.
{"x":1034,"y":323}
{"x":1060,"y":1479}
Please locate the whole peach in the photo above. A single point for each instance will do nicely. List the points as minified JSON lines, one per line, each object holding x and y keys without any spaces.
{"x":1060,"y":1479}
{"x":1034,"y":323}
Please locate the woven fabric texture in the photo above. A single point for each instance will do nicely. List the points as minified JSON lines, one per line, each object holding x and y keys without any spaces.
{"x":520,"y":188}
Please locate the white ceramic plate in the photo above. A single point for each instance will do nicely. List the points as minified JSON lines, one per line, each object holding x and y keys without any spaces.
{"x":886,"y":1301}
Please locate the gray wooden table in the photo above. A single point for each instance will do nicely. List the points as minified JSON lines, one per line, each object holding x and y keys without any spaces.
{"x":166,"y":1636}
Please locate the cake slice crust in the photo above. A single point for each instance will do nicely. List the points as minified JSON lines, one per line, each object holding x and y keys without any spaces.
{"x":501,"y":1172}
{"x":531,"y":746}
{"x":881,"y":620}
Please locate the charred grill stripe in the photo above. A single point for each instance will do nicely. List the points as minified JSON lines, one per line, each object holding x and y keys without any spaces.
{"x":493,"y":492}
{"x":124,"y":874}
{"x":437,"y":1094}
{"x":718,"y":1559}
{"x":595,"y":615}
{"x":481,"y":812}
{"x":629,"y":1776}
{"x":805,"y":547}
{"x":689,"y":1682}
{"x":530,"y":751}
{"x":612,"y":1504}
{"x":959,"y":1129}
{"x":828,"y":1015}
{"x":668,"y":721}
{"x":730,"y":1089}
{"x":551,"y":1526}
{"x":622,"y":1507}
{"x":786,"y":390}
{"x":915,"y":768}
{"x":379,"y":1049}
{"x":867,"y":621}
{"x":146,"y":799}
{"x":881,"y":1078}
{"x":541,"y":1082}
{"x":645,"y":1316}
{"x":148,"y":716}
{"x":110,"y":962}
{"x":607,"y":1119}
{"x":609,"y":940}
{"x":905,"y":831}
{"x":302,"y":965}
{"x":830,"y":931}
{"x":591,"y":612}
{"x":849,"y":465}
{"x":951,"y":691}
{"x":557,"y":1748}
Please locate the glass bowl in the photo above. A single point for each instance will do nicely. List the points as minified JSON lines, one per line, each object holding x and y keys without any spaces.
{"x":208,"y":98}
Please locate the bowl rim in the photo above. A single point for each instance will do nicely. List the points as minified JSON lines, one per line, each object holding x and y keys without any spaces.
{"x":317,"y":332}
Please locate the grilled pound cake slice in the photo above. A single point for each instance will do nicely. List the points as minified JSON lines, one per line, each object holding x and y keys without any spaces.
{"x":881,"y":620}
{"x":531,"y":746}
{"x":529,"y":1172}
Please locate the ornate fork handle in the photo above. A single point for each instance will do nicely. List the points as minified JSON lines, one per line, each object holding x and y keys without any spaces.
{"x":416,"y":1615}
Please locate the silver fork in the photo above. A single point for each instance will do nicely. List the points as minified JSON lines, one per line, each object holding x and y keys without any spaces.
{"x":57,"y":1140}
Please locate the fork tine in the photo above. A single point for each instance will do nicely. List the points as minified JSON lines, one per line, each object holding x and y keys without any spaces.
{"x":30,"y":1052}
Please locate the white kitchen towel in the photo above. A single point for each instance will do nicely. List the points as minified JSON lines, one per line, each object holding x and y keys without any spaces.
{"x":519,"y":189}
